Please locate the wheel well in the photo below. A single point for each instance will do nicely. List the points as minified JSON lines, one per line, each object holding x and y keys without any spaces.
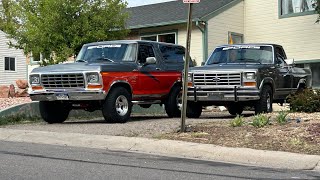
{"x":301,"y":85}
{"x":122,"y":84}
{"x":175,"y":85}
{"x":268,"y":84}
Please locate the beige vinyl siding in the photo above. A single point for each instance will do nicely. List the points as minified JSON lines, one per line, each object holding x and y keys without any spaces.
{"x":196,"y":44}
{"x":231,"y":20}
{"x":9,"y":77}
{"x":181,"y":32}
{"x":298,"y":35}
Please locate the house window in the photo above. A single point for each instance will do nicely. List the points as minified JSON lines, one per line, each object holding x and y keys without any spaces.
{"x":9,"y":64}
{"x":297,"y":6}
{"x":168,"y":38}
{"x":235,"y":38}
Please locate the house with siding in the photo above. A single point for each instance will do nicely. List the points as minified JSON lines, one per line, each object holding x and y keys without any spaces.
{"x":290,"y":23}
{"x":12,"y":62}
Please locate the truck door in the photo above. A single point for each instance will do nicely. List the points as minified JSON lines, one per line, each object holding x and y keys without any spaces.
{"x":150,"y":76}
{"x":284,"y":73}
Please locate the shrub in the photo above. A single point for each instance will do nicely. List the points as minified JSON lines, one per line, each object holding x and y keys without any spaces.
{"x":305,"y":101}
{"x":260,"y":121}
{"x":281,"y":117}
{"x":237,"y":121}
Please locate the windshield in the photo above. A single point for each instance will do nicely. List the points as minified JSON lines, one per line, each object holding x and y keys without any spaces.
{"x":107,"y":52}
{"x":242,"y":54}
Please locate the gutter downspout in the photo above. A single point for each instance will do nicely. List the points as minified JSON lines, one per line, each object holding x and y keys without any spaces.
{"x":204,"y":31}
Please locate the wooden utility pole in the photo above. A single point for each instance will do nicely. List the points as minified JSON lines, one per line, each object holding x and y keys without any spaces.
{"x":186,"y":66}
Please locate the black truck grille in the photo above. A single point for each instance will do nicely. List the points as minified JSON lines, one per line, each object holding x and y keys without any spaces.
{"x":63,"y":80}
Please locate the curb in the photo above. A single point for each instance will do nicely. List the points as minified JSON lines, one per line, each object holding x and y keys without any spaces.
{"x":208,"y":152}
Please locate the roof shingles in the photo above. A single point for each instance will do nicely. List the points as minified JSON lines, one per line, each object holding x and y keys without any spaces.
{"x":171,"y":12}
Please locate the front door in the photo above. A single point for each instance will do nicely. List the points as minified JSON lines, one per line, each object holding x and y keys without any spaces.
{"x":150,"y":77}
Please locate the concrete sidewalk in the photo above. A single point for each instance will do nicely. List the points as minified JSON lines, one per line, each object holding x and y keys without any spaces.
{"x":274,"y":159}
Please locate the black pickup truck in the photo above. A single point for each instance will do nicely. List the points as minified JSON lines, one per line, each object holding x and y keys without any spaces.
{"x":235,"y":76}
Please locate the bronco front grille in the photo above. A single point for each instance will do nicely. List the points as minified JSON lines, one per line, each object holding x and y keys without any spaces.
{"x":75,"y":80}
{"x":217,"y":79}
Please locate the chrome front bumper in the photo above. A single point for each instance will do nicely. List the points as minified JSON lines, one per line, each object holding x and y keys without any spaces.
{"x":227,"y":94}
{"x":67,"y":95}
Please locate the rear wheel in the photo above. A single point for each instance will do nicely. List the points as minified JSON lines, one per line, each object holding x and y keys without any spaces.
{"x":173,"y":103}
{"x":235,"y":109}
{"x":53,"y":111}
{"x":264,"y":104}
{"x":194,"y":109}
{"x":117,"y":107}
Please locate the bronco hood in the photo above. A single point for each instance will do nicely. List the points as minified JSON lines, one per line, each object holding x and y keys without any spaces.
{"x":82,"y":67}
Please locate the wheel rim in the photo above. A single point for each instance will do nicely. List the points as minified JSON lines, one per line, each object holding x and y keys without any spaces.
{"x":268,"y":102}
{"x":122,"y":105}
{"x":179,"y":102}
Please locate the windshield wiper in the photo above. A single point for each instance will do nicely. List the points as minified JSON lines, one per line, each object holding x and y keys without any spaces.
{"x":104,"y":59}
{"x":81,"y":60}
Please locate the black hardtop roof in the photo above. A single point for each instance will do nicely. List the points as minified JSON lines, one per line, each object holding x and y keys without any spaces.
{"x":128,"y":42}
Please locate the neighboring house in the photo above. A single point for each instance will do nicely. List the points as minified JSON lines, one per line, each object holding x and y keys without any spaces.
{"x":12,"y":62}
{"x":290,"y":23}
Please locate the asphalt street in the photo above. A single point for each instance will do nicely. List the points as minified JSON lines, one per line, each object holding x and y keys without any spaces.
{"x":37,"y":161}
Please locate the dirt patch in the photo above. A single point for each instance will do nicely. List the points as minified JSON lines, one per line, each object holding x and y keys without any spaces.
{"x":301,"y":134}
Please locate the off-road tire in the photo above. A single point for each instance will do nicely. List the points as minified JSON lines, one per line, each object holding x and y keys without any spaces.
{"x":171,"y":104}
{"x":53,"y":111}
{"x":194,"y":109}
{"x":117,"y":106}
{"x":235,"y":109}
{"x":264,"y":104}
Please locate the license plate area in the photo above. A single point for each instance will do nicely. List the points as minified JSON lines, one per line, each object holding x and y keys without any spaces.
{"x":215,"y":96}
{"x":62,"y":96}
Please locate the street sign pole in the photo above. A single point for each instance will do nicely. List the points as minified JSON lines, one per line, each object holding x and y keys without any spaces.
{"x":186,"y":70}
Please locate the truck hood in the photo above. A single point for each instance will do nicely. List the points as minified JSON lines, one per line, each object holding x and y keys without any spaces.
{"x":228,"y":67}
{"x":82,"y":67}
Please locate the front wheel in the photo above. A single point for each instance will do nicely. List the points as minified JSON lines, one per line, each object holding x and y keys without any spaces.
{"x":173,"y":103}
{"x":264,"y":104}
{"x":117,"y":107}
{"x":194,"y":109}
{"x":53,"y":111}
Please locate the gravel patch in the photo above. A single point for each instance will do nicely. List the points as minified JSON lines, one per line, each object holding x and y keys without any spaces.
{"x":8,"y":102}
{"x":138,"y":126}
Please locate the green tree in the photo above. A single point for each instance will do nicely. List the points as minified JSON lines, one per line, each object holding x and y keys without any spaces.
{"x":58,"y":28}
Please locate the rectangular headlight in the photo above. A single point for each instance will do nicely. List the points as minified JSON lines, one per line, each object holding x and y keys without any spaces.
{"x":93,"y":78}
{"x":34,"y":79}
{"x":189,"y":77}
{"x":250,"y":76}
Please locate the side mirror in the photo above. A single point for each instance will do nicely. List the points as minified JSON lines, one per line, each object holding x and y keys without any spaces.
{"x":290,"y":62}
{"x":203,"y":63}
{"x":151,"y":60}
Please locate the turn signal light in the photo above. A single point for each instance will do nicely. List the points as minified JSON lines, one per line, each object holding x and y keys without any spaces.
{"x":190,"y":84}
{"x":250,"y":83}
{"x":37,"y":88}
{"x":97,"y":86}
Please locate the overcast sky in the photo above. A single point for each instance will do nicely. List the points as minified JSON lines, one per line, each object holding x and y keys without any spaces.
{"x":132,"y":3}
